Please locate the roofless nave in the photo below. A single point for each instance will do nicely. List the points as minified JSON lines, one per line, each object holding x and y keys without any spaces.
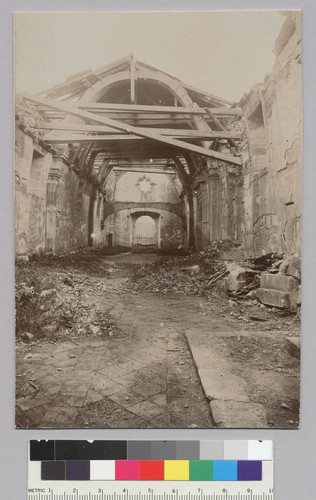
{"x":129,"y":156}
{"x":106,"y":147}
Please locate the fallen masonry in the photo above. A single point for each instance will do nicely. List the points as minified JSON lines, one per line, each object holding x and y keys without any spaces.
{"x":100,"y":322}
{"x":274,"y":286}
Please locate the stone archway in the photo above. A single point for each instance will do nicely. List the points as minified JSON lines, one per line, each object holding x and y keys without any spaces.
{"x":153,"y":240}
{"x":145,"y":231}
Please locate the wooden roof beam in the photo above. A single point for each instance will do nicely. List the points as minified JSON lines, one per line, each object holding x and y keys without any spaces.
{"x":207,"y":95}
{"x":133,"y":78}
{"x":67,"y":138}
{"x":220,"y":126}
{"x":73,"y":110}
{"x":174,"y":132}
{"x":139,"y":108}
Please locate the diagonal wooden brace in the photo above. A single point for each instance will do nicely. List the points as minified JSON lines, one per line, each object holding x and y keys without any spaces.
{"x":73,"y":110}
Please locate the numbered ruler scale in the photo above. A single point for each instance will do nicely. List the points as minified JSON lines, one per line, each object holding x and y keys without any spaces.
{"x":119,"y":477}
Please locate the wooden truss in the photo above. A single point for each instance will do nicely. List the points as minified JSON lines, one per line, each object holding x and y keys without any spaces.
{"x":115,"y":123}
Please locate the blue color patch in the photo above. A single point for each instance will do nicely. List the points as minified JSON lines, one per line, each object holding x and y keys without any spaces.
{"x":225,"y":470}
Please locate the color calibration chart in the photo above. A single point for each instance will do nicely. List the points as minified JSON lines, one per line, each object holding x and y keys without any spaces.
{"x":150,"y":470}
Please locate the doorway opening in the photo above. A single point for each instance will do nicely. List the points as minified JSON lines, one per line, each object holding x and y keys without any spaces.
{"x":145,"y":233}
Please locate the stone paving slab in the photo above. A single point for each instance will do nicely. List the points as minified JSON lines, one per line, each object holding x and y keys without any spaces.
{"x":57,"y":414}
{"x":143,"y":378}
{"x":236,"y":414}
{"x":27,"y":402}
{"x":222,"y":384}
{"x":230,"y":404}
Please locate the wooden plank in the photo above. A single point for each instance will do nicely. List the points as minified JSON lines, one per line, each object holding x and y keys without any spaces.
{"x":153,"y":124}
{"x":173,"y":132}
{"x":75,"y":127}
{"x":132,"y":63}
{"x":225,"y":111}
{"x":218,"y":124}
{"x":138,"y":108}
{"x":76,"y":138}
{"x":207,"y":94}
{"x":136,"y":116}
{"x":131,"y":129}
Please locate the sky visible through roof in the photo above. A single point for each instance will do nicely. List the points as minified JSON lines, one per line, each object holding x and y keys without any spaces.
{"x":223,"y":53}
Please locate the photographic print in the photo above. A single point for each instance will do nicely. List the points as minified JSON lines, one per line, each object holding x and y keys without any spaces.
{"x":158,"y":219}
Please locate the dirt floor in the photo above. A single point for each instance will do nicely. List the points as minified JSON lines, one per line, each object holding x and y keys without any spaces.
{"x":102,"y":342}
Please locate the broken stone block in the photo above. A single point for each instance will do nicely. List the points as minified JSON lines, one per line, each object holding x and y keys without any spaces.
{"x":252,"y":295}
{"x":236,"y":279}
{"x":291,"y":267}
{"x":281,"y":283}
{"x":192,"y":270}
{"x":274,"y":298}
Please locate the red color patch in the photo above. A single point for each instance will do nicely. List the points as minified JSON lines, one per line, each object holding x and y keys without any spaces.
{"x":153,"y":470}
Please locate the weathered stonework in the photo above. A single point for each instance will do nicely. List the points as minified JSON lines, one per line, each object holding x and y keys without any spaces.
{"x":133,"y":194}
{"x":272,"y":151}
{"x":51,"y":201}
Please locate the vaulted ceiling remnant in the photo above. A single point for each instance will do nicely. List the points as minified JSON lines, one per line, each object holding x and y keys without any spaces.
{"x":129,"y":110}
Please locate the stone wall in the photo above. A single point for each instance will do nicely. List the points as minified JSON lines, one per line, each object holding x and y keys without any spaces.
{"x":132,"y":194}
{"x":218,"y":204}
{"x":272,"y":151}
{"x":51,"y":200}
{"x":72,"y":211}
{"x":58,"y":211}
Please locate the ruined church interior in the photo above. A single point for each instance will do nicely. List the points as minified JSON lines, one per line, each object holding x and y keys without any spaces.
{"x":125,"y":168}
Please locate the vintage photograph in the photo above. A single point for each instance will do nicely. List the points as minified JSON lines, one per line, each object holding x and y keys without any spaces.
{"x":158,"y":170}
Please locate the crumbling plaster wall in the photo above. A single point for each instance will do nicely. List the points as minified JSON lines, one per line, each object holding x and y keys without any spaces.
{"x":51,"y":201}
{"x":120,"y":224}
{"x":218,"y":203}
{"x":272,"y":151}
{"x":230,"y":202}
{"x":72,"y":209}
{"x":30,"y":194}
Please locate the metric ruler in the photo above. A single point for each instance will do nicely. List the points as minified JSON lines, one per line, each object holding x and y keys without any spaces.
{"x":156,"y":470}
{"x":186,"y":492}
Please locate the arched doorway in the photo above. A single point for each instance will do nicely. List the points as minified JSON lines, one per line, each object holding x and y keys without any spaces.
{"x":145,"y":228}
{"x":145,"y":232}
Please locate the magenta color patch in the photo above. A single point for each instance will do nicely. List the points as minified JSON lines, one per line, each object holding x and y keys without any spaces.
{"x":127,"y":469}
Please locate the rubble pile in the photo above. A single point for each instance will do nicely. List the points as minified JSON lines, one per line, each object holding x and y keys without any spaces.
{"x":48,"y":313}
{"x":188,"y":275}
{"x":273,"y":279}
{"x":84,"y":261}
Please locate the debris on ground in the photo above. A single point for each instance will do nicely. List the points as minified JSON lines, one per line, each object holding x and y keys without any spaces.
{"x":55,"y":296}
{"x":272,"y":279}
{"x":240,"y":278}
{"x":192,"y":270}
{"x":45,"y":312}
{"x":84,"y":299}
{"x":180,"y":275}
{"x":217,"y":276}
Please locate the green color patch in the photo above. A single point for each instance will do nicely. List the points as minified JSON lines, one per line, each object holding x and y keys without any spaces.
{"x":201,"y":470}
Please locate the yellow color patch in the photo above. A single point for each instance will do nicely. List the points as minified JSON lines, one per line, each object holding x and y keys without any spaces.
{"x":176,"y":470}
